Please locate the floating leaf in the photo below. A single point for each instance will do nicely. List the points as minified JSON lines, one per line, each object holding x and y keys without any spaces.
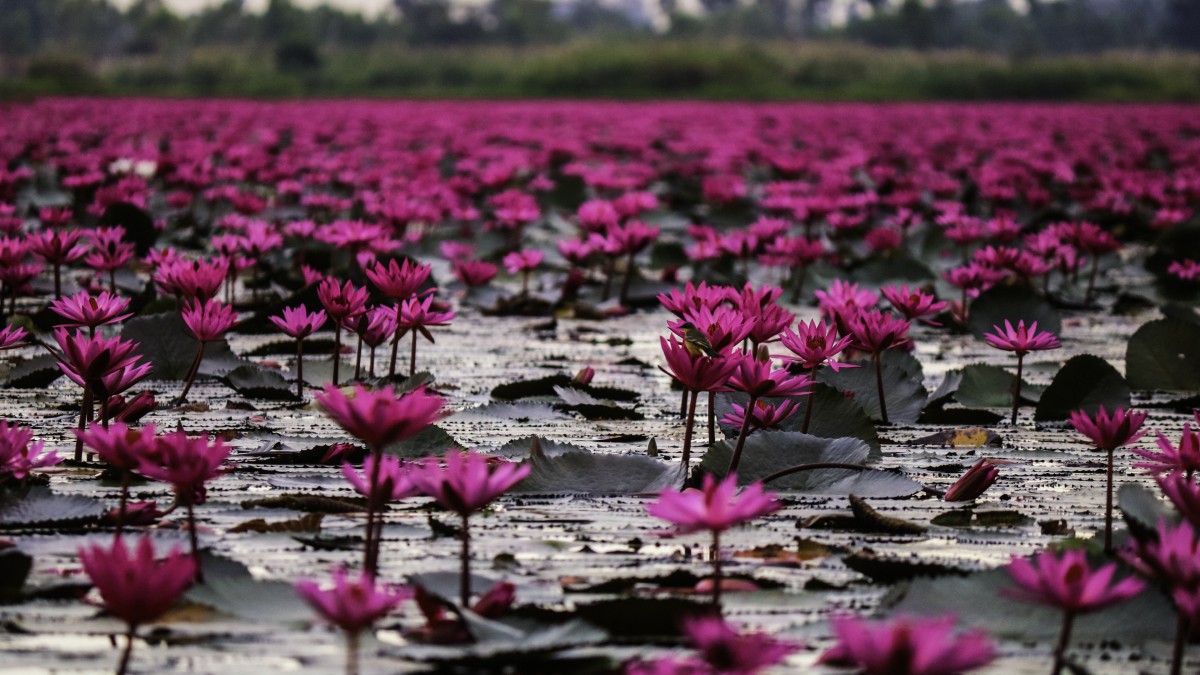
{"x":545,"y":386}
{"x":603,"y":412}
{"x":254,"y":381}
{"x":987,"y":386}
{"x":871,"y":520}
{"x":978,"y":600}
{"x":309,"y":503}
{"x":1085,"y":383}
{"x":1164,"y":354}
{"x":38,"y":507}
{"x":834,"y":415}
{"x":1012,"y":303}
{"x":307,"y":523}
{"x":1142,"y":510}
{"x":892,"y":569}
{"x":164,"y":341}
{"x":36,"y":373}
{"x":972,"y":518}
{"x":230,"y":589}
{"x":15,"y":566}
{"x":430,"y":441}
{"x":581,"y":471}
{"x":902,"y":386}
{"x":499,"y":644}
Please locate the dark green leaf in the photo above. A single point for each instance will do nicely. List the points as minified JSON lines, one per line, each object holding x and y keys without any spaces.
{"x":35,"y":373}
{"x":1085,"y":382}
{"x":38,"y":507}
{"x":254,"y":381}
{"x":429,"y":442}
{"x":164,"y":341}
{"x":544,"y":386}
{"x":1012,"y":303}
{"x":904,"y":392}
{"x":1164,"y":354}
{"x":987,"y":386}
{"x":1142,"y":509}
{"x":581,"y":471}
{"x":834,"y":415}
{"x":230,"y":589}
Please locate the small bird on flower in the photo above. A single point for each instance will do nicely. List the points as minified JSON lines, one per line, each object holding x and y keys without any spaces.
{"x":696,"y":342}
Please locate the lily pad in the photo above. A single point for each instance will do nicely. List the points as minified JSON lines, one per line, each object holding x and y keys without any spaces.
{"x":40,"y":508}
{"x":1142,"y":510}
{"x":164,"y":341}
{"x":35,"y":373}
{"x":254,"y":381}
{"x":1012,"y":303}
{"x":834,"y":415}
{"x":580,"y":471}
{"x":987,"y":386}
{"x":545,"y":386}
{"x":905,"y":395}
{"x":431,"y":441}
{"x":1085,"y":383}
{"x":230,"y":588}
{"x":1164,"y":354}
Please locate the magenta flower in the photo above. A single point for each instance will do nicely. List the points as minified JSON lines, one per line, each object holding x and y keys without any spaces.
{"x":1183,"y":492}
{"x":844,"y":297}
{"x":127,"y":450}
{"x":1020,"y":340}
{"x":58,"y":248}
{"x":875,"y":332}
{"x":758,"y":380}
{"x":696,"y":374}
{"x":523,"y":263}
{"x":721,"y":651}
{"x":353,"y":605}
{"x":101,"y":366}
{"x":187,"y":464}
{"x":417,"y":316}
{"x":84,"y":310}
{"x":974,"y":482}
{"x":133,"y":586}
{"x":341,"y":303}
{"x":1185,"y":458}
{"x":192,"y":279}
{"x":1069,"y":584}
{"x":725,"y":327}
{"x":12,"y":337}
{"x":716,"y":507}
{"x":694,"y":297}
{"x":1173,"y":559}
{"x":629,"y":240}
{"x":207,"y":321}
{"x":914,"y":305}
{"x":1109,"y":432}
{"x":474,"y":273}
{"x":20,"y":454}
{"x":466,"y":484}
{"x":392,"y":479}
{"x":379,"y":418}
{"x":907,"y":646}
{"x":762,"y":415}
{"x":299,"y":323}
{"x":398,"y":281}
{"x":814,"y":344}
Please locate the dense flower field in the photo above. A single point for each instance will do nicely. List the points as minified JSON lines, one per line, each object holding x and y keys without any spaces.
{"x":599,"y":387}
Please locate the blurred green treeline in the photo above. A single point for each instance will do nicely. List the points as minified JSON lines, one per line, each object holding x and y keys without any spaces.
{"x":767,"y":49}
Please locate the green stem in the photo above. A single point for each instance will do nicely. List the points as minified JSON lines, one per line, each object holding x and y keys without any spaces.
{"x":741,"y":441}
{"x":464,"y":574}
{"x":1064,"y":639}
{"x":687,"y":429}
{"x":191,"y":376}
{"x":127,"y":653}
{"x":194,"y":539}
{"x":300,"y":369}
{"x":808,"y":407}
{"x":1183,"y":628}
{"x":716,"y":592}
{"x":879,"y":383}
{"x":1017,"y":387}
{"x":337,"y":350}
{"x":1108,"y":507}
{"x":412,"y":356}
{"x":810,"y":467}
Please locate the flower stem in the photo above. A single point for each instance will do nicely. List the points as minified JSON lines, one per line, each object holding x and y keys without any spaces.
{"x":810,"y":467}
{"x":879,"y":383}
{"x":358,"y":360}
{"x":1091,"y":287}
{"x":808,"y":408}
{"x":194,"y":540}
{"x":628,"y":280}
{"x":85,"y":413}
{"x":125,"y":475}
{"x":741,"y":441}
{"x":687,"y":429}
{"x":716,"y":559}
{"x":412,"y":356}
{"x":1108,"y":507}
{"x":191,"y":376}
{"x":1183,"y":627}
{"x":337,"y":350}
{"x":371,"y":542}
{"x":300,"y":369}
{"x":1064,"y":639}
{"x":352,"y":652}
{"x":127,"y":653}
{"x":712,"y":417}
{"x":464,"y":574}
{"x":395,"y":348}
{"x":1017,"y":387}
{"x":683,"y":401}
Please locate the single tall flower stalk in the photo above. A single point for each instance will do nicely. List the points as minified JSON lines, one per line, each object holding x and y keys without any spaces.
{"x":755,"y":378}
{"x":696,"y":374}
{"x":1107,"y":433}
{"x":207,"y":321}
{"x":1021,"y":341}
{"x":351,"y":605}
{"x":467,"y":483}
{"x":716,"y":507}
{"x":299,"y":323}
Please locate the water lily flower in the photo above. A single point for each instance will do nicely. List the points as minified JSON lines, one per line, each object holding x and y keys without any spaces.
{"x":1066,"y":582}
{"x":1109,"y":432}
{"x":192,"y":279}
{"x":716,"y":507}
{"x":1020,"y":340}
{"x":84,"y":310}
{"x":299,"y":323}
{"x":126,"y":449}
{"x":914,"y":305}
{"x":721,"y":650}
{"x":696,"y":374}
{"x":974,"y":482}
{"x":187,"y":464}
{"x":353,"y":605}
{"x":207,"y":321}
{"x":417,"y":316}
{"x":20,"y":454}
{"x":58,"y":248}
{"x":1173,"y":558}
{"x":523,"y":262}
{"x":12,"y":337}
{"x":101,"y":366}
{"x":341,"y":303}
{"x":907,"y":645}
{"x":380,"y":418}
{"x":762,"y":415}
{"x":465,"y":482}
{"x":1168,"y":458}
{"x":875,"y":332}
{"x":133,"y":586}
{"x":756,"y":379}
{"x":474,"y":273}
